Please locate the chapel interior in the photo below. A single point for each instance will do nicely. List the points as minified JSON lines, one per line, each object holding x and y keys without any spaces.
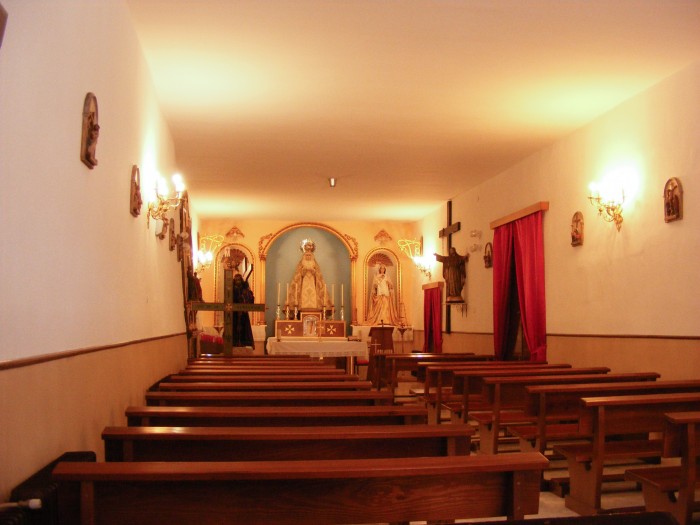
{"x":334,"y":154}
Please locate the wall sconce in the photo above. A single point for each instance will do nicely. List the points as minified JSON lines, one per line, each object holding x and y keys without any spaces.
{"x":159,"y":206}
{"x":207,"y":246}
{"x":608,"y":200}
{"x":414,"y":251}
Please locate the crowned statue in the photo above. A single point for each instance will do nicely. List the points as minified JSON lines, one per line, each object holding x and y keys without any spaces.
{"x":307,"y":291}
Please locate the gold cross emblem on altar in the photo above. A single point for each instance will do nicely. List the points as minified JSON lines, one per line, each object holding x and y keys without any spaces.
{"x":330,"y":329}
{"x":289,"y":329}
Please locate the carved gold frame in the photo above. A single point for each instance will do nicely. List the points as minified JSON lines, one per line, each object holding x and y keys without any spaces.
{"x":394,"y":257}
{"x":350,"y":243}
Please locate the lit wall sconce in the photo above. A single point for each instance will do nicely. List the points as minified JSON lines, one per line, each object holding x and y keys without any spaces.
{"x":207,"y":247}
{"x":414,"y":251}
{"x":608,"y":200}
{"x":160,"y":204}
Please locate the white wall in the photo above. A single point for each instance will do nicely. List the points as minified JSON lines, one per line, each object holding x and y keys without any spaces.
{"x":77,"y":269}
{"x":641,"y":281}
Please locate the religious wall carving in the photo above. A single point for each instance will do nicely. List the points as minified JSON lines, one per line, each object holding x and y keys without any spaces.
{"x":577,"y":229}
{"x":135,"y":200}
{"x":673,"y":200}
{"x":91,"y":131}
{"x":383,"y":237}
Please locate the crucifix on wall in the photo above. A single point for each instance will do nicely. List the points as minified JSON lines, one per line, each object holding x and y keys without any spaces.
{"x":447,"y":232}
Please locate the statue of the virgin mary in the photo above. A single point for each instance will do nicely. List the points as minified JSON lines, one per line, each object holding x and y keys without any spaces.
{"x":307,"y":290}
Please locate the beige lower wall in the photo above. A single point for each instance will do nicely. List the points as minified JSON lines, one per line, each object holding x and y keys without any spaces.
{"x":62,"y":405}
{"x":673,"y":358}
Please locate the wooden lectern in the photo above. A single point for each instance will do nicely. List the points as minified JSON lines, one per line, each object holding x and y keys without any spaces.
{"x":382,"y":338}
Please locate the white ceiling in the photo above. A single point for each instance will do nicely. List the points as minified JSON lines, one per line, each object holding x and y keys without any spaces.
{"x":407,"y":103}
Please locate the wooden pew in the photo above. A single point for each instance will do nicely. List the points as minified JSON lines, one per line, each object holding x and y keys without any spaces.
{"x":556,"y":407}
{"x":226,"y":378}
{"x":264,"y":370}
{"x":303,"y":492}
{"x":468,"y":385}
{"x":284,"y":443}
{"x":437,"y":367}
{"x":619,"y":518}
{"x":270,"y":398}
{"x":439,"y":379}
{"x":672,"y":488}
{"x":387,"y":366}
{"x":614,"y":424}
{"x":504,"y":397}
{"x":264,"y":385}
{"x":266,"y":416}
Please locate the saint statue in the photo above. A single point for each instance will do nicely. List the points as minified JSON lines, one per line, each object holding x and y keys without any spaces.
{"x":382,"y":306}
{"x":308,"y":290}
{"x":454,"y":271}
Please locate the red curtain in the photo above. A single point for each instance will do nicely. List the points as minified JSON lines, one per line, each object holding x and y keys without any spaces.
{"x":432,"y":319}
{"x":519,"y":246}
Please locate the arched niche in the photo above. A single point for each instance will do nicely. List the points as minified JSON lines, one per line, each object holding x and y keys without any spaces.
{"x":336,"y":254}
{"x":390,"y":260}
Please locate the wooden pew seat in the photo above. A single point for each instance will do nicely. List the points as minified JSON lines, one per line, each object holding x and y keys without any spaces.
{"x":303,"y":492}
{"x":266,"y":385}
{"x":276,"y":416}
{"x":673,"y":488}
{"x":284,"y":443}
{"x":271,"y":398}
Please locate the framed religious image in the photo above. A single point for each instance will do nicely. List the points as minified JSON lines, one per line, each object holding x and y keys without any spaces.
{"x":673,"y":200}
{"x":382,"y":287}
{"x":577,"y":229}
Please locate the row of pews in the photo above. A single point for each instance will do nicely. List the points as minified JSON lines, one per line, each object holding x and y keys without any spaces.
{"x":289,"y":441}
{"x":590,"y":417}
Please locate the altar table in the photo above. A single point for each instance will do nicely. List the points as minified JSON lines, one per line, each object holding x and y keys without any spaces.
{"x":319,"y":349}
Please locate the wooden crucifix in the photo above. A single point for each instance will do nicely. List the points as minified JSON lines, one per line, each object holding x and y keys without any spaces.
{"x":228,"y":307}
{"x":447,"y":231}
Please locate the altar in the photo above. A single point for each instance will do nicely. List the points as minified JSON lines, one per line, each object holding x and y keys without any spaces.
{"x":319,"y":349}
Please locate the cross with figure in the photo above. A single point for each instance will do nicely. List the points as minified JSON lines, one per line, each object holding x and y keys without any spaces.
{"x":238,"y":301}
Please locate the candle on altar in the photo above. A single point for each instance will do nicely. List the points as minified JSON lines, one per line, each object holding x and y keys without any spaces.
{"x":286,"y":297}
{"x":342,"y":296}
{"x":278,"y":293}
{"x":333,"y":294}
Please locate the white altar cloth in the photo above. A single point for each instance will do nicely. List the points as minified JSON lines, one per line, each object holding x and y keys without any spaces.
{"x":316,"y":348}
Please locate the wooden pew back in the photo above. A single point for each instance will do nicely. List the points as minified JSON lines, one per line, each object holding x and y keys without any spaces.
{"x":302,"y":492}
{"x":284,"y":443}
{"x":270,"y":398}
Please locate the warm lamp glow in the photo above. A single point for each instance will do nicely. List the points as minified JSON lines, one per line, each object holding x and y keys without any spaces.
{"x":159,"y":204}
{"x":609,"y":194}
{"x":205,"y":254}
{"x":414,"y":251}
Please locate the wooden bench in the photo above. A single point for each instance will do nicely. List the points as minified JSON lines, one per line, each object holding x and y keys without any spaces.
{"x":556,"y":407}
{"x":672,"y":488}
{"x":388,"y":366}
{"x":266,"y":416}
{"x":437,"y":367}
{"x":619,"y":518}
{"x":503,"y":401}
{"x":264,"y":370}
{"x":439,"y":379}
{"x":265,"y":385}
{"x":224,"y":378}
{"x":284,"y":443}
{"x":303,"y":492}
{"x":269,"y":398}
{"x":615,"y":424}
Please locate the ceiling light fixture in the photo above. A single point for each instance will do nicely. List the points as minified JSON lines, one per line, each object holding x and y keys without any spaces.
{"x":331,"y":181}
